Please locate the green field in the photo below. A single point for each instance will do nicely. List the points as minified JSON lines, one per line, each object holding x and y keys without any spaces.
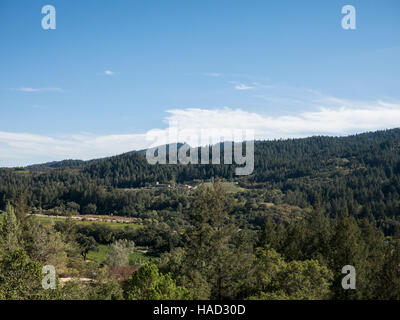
{"x":100,"y":255}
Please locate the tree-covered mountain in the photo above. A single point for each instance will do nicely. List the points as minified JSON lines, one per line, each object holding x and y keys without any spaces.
{"x":359,"y":174}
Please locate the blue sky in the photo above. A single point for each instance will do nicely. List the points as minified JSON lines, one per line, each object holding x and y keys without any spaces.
{"x":113,"y":70}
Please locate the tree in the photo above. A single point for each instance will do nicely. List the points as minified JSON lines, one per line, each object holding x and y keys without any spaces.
{"x":376,"y":252}
{"x":106,"y":290}
{"x":217,"y":255}
{"x":10,"y":230}
{"x":91,"y":208}
{"x":306,"y":280}
{"x":44,"y":244}
{"x":20,"y":277}
{"x":149,"y":284}
{"x":347,"y":247}
{"x":208,"y":258}
{"x":269,"y":264}
{"x":300,"y":280}
{"x":389,"y":285}
{"x":73,"y":207}
{"x":86,"y":244}
{"x":118,"y":254}
{"x":268,"y":237}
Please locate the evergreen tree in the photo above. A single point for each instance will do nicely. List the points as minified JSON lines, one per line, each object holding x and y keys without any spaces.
{"x":347,"y":247}
{"x":10,"y":230}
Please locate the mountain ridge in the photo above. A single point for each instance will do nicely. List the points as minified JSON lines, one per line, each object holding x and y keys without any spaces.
{"x":79,"y":163}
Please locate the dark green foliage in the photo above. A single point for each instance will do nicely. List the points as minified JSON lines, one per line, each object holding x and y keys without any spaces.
{"x":299,"y":280}
{"x":86,"y":244}
{"x":20,"y":277}
{"x":149,"y":284}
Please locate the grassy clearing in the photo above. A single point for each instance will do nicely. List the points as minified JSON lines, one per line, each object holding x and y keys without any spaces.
{"x":100,"y":255}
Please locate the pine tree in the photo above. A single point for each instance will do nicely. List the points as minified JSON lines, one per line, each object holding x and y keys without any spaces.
{"x":347,"y":247}
{"x":210,"y":266}
{"x":10,"y":230}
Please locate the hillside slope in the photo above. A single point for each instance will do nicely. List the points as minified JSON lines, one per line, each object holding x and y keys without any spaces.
{"x":358,"y":174}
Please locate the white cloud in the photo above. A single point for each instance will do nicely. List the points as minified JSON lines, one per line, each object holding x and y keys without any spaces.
{"x":25,"y":148}
{"x":109,"y":73}
{"x":254,"y":85}
{"x":28,"y":89}
{"x":330,"y":116}
{"x":339,"y":118}
{"x":241,"y":86}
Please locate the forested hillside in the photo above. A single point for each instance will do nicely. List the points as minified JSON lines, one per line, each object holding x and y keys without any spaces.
{"x":310,"y":207}
{"x":360,"y":174}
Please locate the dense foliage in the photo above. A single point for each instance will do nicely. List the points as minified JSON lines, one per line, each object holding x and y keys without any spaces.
{"x":310,"y":207}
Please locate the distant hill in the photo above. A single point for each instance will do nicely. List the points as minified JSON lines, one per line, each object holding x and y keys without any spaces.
{"x":56,"y":165}
{"x":79,"y":163}
{"x":276,"y":160}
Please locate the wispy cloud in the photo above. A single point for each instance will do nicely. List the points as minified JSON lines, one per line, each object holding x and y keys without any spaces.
{"x":241,"y":86}
{"x":29,"y":89}
{"x":109,"y":73}
{"x":251,"y":86}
